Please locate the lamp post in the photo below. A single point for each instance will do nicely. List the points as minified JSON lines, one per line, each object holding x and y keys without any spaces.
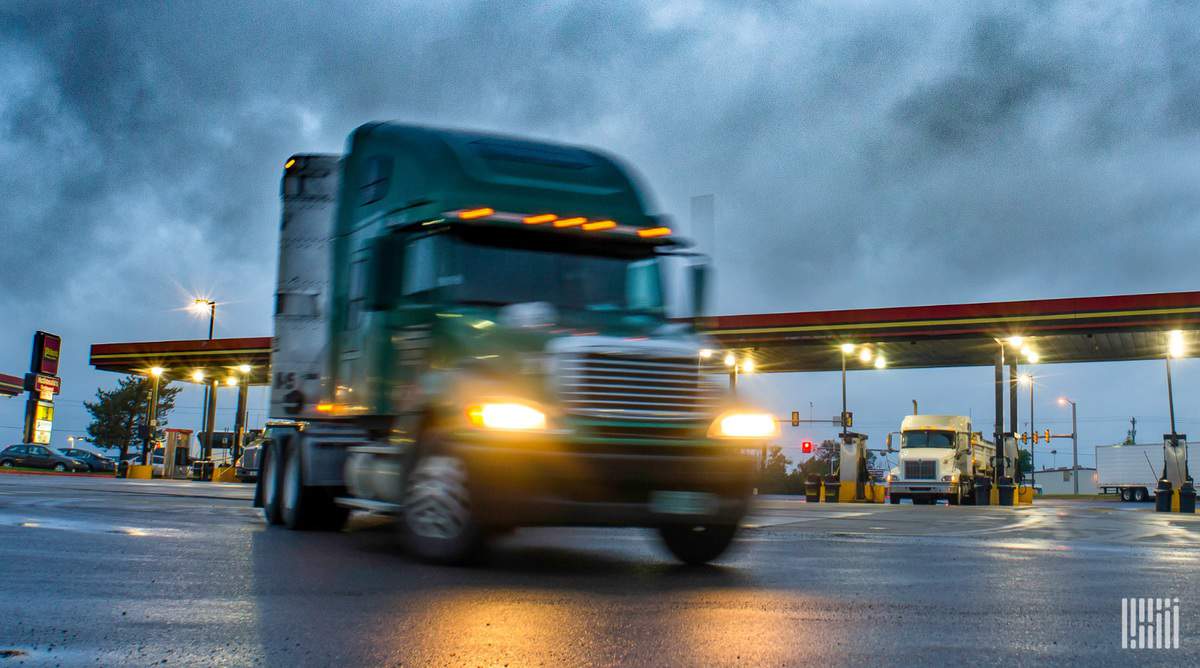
{"x":199,"y":306}
{"x":1174,"y":349}
{"x":152,"y":412}
{"x":731,"y":364}
{"x":1063,"y":401}
{"x":1027,"y":379}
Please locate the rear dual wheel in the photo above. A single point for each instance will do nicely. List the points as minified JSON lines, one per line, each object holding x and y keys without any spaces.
{"x":304,"y":507}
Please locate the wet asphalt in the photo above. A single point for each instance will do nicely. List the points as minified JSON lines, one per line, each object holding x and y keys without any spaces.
{"x":110,"y":572}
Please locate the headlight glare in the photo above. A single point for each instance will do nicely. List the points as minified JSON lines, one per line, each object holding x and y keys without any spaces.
{"x":510,"y":416}
{"x":744,"y":425}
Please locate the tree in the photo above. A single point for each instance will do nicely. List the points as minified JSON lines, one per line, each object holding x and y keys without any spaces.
{"x":1024,"y":461}
{"x":118,"y":413}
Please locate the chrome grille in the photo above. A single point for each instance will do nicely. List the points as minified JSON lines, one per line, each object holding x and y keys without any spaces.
{"x":920,"y":469}
{"x":627,"y":386}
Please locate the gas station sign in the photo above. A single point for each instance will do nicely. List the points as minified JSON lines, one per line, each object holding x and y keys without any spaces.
{"x":42,"y":383}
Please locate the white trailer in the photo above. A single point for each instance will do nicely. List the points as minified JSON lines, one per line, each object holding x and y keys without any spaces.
{"x":1129,"y":470}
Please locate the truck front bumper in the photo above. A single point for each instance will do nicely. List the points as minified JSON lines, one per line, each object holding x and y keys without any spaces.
{"x":933,"y":488}
{"x":555,"y":484}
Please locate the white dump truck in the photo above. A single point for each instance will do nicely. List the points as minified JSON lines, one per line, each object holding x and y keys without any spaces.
{"x":940,"y":458}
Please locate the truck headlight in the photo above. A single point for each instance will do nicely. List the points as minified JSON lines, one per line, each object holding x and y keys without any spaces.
{"x":510,"y":416}
{"x":744,"y":425}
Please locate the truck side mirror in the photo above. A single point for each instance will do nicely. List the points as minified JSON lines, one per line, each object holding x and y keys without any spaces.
{"x":699,"y":284}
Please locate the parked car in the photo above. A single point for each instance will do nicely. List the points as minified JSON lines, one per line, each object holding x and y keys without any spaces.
{"x":96,"y":462}
{"x":36,"y":456}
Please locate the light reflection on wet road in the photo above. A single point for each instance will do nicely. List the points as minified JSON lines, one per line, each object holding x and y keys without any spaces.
{"x":93,"y":575}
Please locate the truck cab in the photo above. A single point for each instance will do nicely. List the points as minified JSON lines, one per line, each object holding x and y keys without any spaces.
{"x":939,"y":458}
{"x":486,"y":345}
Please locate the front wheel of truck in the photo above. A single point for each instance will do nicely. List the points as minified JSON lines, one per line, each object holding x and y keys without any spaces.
{"x":697,"y":544}
{"x":439,"y":522}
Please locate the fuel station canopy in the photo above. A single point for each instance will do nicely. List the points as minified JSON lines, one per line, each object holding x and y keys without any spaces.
{"x":246,"y":359}
{"x":1047,"y":331}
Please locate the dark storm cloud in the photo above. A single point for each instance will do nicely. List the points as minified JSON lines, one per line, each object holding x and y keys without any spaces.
{"x":860,"y":153}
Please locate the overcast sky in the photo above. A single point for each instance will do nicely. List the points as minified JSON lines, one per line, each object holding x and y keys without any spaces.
{"x":860,"y":153}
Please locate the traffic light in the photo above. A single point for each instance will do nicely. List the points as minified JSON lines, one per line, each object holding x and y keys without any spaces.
{"x":1025,"y":438}
{"x":1035,"y":437}
{"x":795,"y":418}
{"x":1047,"y":435}
{"x":806,"y":447}
{"x":847,"y":419}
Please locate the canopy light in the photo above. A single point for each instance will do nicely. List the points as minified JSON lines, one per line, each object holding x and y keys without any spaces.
{"x":730,"y":360}
{"x":847,"y":348}
{"x":880,"y":362}
{"x":1175,"y":343}
{"x":156,"y":371}
{"x":865,"y":354}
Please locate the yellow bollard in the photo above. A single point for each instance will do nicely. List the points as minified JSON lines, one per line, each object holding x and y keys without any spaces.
{"x":821,"y":494}
{"x":140,"y":471}
{"x":225,"y":474}
{"x":1174,"y":500}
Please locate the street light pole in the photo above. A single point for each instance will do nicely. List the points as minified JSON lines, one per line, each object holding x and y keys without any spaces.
{"x":199,"y":305}
{"x":1170,"y":396}
{"x":1074,"y":444}
{"x":1032,"y":448}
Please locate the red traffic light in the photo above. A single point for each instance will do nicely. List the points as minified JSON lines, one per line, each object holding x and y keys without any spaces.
{"x":806,"y":447}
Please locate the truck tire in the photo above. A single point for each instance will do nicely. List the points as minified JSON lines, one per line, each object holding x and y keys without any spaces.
{"x":1126,"y":494}
{"x":271,"y":481}
{"x":1140,"y":495}
{"x":438,"y":522}
{"x":894,"y":499}
{"x":953,"y":499}
{"x":303,"y":507}
{"x":697,"y":544}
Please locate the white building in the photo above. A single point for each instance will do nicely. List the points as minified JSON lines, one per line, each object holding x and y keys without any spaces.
{"x":1058,"y":480}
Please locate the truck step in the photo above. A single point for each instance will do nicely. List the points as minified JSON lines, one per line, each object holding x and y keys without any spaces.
{"x":369,"y":505}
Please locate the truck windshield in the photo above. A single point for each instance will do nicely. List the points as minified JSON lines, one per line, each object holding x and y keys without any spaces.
{"x":492,"y":269}
{"x":927,"y":439}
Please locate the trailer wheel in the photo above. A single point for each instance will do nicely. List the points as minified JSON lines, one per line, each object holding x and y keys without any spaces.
{"x":697,"y":544}
{"x":271,"y":480}
{"x":303,"y":507}
{"x":1140,"y":494}
{"x":438,"y":523}
{"x":1126,"y":494}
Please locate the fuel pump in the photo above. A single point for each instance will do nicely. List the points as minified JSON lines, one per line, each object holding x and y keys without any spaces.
{"x":1175,"y":481}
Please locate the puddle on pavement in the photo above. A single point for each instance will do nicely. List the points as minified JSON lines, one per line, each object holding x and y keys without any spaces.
{"x":83,"y":526}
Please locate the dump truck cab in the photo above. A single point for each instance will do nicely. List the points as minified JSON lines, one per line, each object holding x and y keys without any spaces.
{"x":939,"y":458}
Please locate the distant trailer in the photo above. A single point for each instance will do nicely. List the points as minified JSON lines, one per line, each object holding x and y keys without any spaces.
{"x":1129,"y":470}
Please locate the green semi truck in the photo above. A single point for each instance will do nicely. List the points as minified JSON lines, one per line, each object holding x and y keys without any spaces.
{"x":471,"y":334}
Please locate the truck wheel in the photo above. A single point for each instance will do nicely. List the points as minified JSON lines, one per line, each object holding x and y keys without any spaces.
{"x":438,"y":521}
{"x":697,"y":544}
{"x":954,"y":499}
{"x":1126,"y":494}
{"x":271,"y":480}
{"x":1140,"y":494}
{"x":303,"y":507}
{"x":894,"y":499}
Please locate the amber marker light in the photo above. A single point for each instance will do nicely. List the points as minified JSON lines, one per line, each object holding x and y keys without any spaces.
{"x":481,"y":212}
{"x":570,"y":222}
{"x":599,"y":225}
{"x":540,"y":218}
{"x":654,"y":232}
